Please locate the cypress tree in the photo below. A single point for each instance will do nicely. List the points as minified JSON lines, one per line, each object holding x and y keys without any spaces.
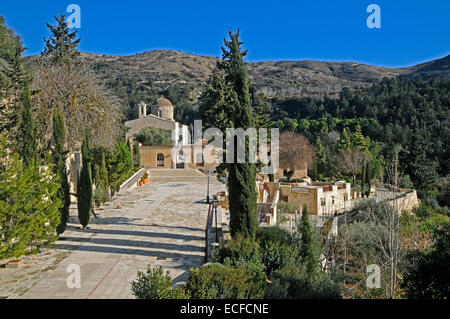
{"x":321,"y":156}
{"x":241,"y":176}
{"x":369,"y":172}
{"x":136,"y":155}
{"x":85,"y":193}
{"x":103,"y":171}
{"x":26,"y":131}
{"x":307,"y":252}
{"x":59,"y":161}
{"x":129,"y":145}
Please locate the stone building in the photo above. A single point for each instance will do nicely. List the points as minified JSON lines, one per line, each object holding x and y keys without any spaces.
{"x":182,"y":154}
{"x":320,"y":198}
{"x":161,"y":116}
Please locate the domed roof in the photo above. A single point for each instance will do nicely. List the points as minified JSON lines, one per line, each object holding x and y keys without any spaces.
{"x":162,"y":101}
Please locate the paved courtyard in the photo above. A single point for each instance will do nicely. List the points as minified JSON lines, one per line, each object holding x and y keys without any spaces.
{"x":161,"y":223}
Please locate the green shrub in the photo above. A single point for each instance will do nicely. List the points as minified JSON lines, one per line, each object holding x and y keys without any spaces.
{"x":100,"y":195}
{"x":276,"y":256}
{"x":29,"y":205}
{"x":216,"y":281}
{"x":273,"y":234}
{"x":295,"y":282}
{"x":154,"y":284}
{"x":241,"y":251}
{"x":426,"y":274}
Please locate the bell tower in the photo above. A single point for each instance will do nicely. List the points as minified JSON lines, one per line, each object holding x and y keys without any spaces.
{"x":142,"y":109}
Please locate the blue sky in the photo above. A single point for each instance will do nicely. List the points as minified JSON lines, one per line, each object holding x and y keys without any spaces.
{"x":411,"y":31}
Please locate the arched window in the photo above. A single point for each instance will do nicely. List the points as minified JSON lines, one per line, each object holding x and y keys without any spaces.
{"x":160,"y":160}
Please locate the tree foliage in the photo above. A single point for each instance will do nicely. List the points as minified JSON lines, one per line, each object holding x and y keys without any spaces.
{"x":59,"y":156}
{"x":84,"y":192}
{"x":29,"y":204}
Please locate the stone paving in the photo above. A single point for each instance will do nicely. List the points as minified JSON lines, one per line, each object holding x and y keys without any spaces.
{"x":161,"y":223}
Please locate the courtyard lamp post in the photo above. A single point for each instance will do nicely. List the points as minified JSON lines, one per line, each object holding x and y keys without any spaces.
{"x":207,"y":191}
{"x":215,"y":204}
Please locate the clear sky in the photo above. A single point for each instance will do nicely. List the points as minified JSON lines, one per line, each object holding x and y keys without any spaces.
{"x":412,"y":31}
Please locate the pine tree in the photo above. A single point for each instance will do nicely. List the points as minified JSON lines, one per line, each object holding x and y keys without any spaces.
{"x":261,"y":113}
{"x":359,"y":141}
{"x":420,"y":168}
{"x":26,"y":131}
{"x":59,"y":161}
{"x":12,"y":79}
{"x":61,"y":47}
{"x":345,"y":141}
{"x":85,"y":193}
{"x":241,"y":176}
{"x":29,"y":205}
{"x":261,"y":117}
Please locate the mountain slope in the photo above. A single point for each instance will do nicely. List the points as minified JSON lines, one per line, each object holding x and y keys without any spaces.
{"x":284,"y":78}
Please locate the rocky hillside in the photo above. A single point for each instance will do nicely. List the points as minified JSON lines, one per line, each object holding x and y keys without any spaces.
{"x":165,"y":68}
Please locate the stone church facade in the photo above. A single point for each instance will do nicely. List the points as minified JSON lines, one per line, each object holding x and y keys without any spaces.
{"x":161,"y":116}
{"x":183,"y":154}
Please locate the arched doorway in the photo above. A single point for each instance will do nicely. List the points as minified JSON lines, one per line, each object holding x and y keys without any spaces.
{"x":160,"y":160}
{"x":180,"y":159}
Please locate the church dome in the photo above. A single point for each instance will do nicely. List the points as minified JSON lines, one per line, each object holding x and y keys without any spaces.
{"x":162,"y":101}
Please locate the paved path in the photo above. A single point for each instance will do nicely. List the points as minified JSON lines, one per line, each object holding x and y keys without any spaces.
{"x":160,"y":223}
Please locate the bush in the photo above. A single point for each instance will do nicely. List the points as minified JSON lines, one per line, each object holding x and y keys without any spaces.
{"x":273,"y":234}
{"x":29,"y":205}
{"x":100,"y":195}
{"x":241,"y":251}
{"x":294,"y":282}
{"x":154,"y":284}
{"x":276,"y":256}
{"x":216,"y":281}
{"x":426,"y":273}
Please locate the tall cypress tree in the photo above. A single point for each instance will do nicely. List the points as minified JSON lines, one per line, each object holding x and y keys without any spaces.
{"x":59,"y":160}
{"x":136,"y":154}
{"x":241,"y":176}
{"x":307,"y":251}
{"x":26,"y":130}
{"x":85,"y":193}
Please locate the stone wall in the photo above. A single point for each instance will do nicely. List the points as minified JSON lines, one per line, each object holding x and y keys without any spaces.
{"x":406,"y":201}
